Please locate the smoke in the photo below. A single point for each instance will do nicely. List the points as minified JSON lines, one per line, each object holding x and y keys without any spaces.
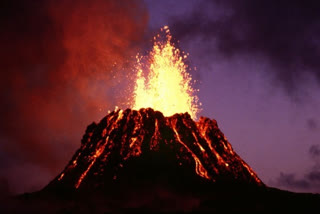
{"x":290,"y":181}
{"x":312,"y":124}
{"x":314,"y":152}
{"x":311,"y":178}
{"x":283,"y":33}
{"x":59,"y":60}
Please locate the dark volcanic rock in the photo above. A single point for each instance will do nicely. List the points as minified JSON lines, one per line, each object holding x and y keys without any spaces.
{"x":136,"y":147}
{"x":143,"y":162}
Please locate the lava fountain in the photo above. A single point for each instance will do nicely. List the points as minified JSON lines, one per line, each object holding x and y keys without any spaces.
{"x":168,"y":86}
{"x":158,"y":137}
{"x":157,"y":158}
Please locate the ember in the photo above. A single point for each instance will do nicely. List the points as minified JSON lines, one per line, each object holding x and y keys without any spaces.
{"x":168,"y":86}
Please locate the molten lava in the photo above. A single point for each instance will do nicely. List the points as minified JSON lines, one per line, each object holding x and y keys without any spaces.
{"x":167,"y":87}
{"x":185,"y":149}
{"x":122,"y":138}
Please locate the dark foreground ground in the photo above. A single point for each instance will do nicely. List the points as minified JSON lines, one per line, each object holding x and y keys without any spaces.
{"x":156,"y":199}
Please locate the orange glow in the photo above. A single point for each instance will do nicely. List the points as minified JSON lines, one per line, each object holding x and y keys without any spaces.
{"x":252,"y":173}
{"x":94,"y":158}
{"x":61,"y":176}
{"x":200,"y":170}
{"x":200,"y":142}
{"x":167,"y":87}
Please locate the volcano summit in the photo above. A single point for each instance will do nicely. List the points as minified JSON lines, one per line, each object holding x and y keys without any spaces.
{"x":175,"y":146}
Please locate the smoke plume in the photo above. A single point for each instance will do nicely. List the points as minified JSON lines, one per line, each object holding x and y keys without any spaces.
{"x":58,"y":60}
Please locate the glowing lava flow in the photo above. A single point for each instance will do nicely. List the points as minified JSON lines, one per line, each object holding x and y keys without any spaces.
{"x":121,"y":137}
{"x":167,"y":109}
{"x":167,"y":87}
{"x":94,"y":158}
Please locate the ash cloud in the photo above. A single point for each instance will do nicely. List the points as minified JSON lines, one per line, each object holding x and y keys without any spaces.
{"x":57,"y":59}
{"x":285,"y":33}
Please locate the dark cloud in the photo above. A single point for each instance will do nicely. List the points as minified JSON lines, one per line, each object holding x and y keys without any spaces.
{"x":314,"y":152}
{"x":312,"y":124}
{"x":285,"y":33}
{"x":314,"y":176}
{"x":57,"y":59}
{"x":310,"y":180}
{"x":290,"y":181}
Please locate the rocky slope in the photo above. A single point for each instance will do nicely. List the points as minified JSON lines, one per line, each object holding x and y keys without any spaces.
{"x":146,"y":145}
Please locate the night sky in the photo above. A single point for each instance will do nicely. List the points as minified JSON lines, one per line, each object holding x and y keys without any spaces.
{"x":64,"y":64}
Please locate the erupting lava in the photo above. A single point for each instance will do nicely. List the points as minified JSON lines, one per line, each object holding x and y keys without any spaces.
{"x":167,"y":87}
{"x":163,"y":125}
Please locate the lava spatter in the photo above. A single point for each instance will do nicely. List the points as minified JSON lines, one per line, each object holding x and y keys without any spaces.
{"x":162,"y":81}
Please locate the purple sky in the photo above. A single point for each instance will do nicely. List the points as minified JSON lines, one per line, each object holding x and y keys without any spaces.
{"x":257,"y":68}
{"x":271,"y":129}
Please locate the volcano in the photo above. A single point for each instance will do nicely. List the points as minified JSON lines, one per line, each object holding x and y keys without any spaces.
{"x":137,"y":145}
{"x":141,"y":161}
{"x":151,"y":159}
